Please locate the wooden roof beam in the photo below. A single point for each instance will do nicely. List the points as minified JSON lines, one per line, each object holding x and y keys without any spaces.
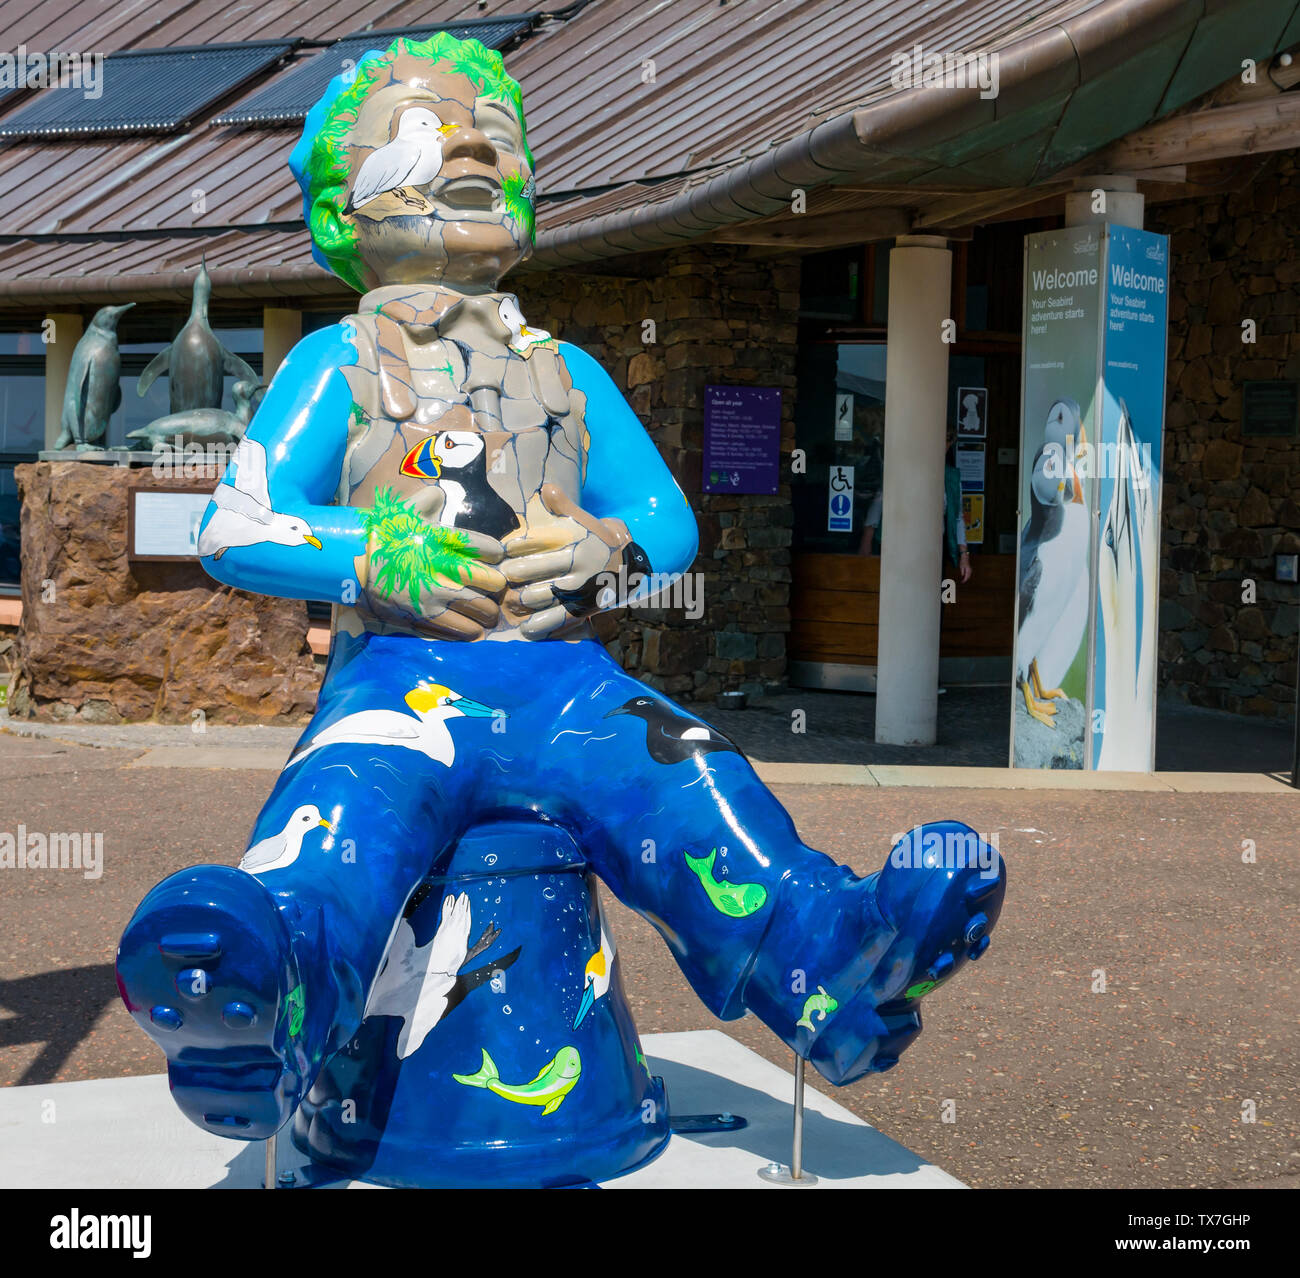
{"x":1217,"y":134}
{"x":818,"y":230}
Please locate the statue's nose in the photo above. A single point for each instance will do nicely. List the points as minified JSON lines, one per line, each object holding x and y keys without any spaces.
{"x":469,"y":144}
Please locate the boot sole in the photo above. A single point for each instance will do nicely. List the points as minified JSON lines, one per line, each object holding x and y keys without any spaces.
{"x":206,"y":969}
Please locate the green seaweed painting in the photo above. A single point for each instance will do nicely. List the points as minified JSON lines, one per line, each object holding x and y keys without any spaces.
{"x":517,"y":196}
{"x":411,"y":553}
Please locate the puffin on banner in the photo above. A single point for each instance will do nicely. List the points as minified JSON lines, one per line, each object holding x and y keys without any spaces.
{"x":1089,"y":544}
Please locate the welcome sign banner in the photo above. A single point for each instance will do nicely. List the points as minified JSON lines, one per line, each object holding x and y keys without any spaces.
{"x":1092,"y":403}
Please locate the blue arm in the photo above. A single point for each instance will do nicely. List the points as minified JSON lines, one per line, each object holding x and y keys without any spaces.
{"x":626,"y":477}
{"x":302,"y":424}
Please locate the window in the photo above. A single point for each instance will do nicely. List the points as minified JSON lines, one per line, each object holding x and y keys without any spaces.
{"x":22,"y":436}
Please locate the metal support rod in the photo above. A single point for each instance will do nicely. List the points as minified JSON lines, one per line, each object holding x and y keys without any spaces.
{"x":794,"y":1176}
{"x":268,"y":1177}
{"x":796,"y":1154}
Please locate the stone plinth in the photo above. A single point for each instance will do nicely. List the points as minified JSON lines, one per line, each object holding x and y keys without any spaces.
{"x":106,"y":639}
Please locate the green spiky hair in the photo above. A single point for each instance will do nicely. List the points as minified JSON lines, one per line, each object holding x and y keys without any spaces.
{"x":320,"y":160}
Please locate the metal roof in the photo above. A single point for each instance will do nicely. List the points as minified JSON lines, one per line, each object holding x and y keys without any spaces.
{"x":264,"y":264}
{"x":289,"y":97}
{"x":746,"y":102}
{"x":144,"y":91}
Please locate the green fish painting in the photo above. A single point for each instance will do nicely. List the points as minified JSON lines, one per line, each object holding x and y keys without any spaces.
{"x":557,"y":1079}
{"x":739,"y":900}
{"x":295,"y":1006}
{"x":820,"y":1005}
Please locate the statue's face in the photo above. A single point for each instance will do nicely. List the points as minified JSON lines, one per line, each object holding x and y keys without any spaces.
{"x":436,"y":178}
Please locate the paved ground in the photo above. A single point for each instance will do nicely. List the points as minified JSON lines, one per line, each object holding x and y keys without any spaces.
{"x":1051,"y":1083}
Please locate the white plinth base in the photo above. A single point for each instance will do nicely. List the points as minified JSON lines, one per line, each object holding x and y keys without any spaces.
{"x":125,"y":1133}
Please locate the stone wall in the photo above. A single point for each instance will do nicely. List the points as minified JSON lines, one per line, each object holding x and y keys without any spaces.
{"x":1230,"y":502}
{"x":105,"y":639}
{"x":721,"y":315}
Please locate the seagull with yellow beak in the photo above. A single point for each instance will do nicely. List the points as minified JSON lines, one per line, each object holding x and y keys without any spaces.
{"x":596,"y":978}
{"x":432,"y":704}
{"x":281,"y":849}
{"x":241,"y":509}
{"x":412,"y":158}
{"x":522,"y":337}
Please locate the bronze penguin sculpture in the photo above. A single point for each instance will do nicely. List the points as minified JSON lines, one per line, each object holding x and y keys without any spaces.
{"x":206,"y":425}
{"x":196,"y":362}
{"x":94,"y":390}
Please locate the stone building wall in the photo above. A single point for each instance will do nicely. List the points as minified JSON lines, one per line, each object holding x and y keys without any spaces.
{"x":721,"y":315}
{"x":1230,"y":502}
{"x":108,"y":639}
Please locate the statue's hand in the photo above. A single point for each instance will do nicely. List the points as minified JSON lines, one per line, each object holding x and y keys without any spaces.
{"x":565,"y":570}
{"x":439,"y":581}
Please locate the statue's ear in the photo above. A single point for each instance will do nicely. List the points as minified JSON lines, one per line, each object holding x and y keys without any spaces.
{"x":332,"y":230}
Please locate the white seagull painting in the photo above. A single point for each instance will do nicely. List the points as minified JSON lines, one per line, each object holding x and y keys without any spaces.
{"x":522,"y":337}
{"x":243,"y":514}
{"x":282,"y":848}
{"x":412,"y":158}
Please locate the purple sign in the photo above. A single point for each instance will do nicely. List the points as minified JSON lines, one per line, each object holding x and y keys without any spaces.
{"x":742,"y":439}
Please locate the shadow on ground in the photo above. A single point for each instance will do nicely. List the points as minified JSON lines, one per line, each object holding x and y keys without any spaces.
{"x":58,"y":1009}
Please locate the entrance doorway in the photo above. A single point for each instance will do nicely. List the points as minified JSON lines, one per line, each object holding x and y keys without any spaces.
{"x":840,"y":422}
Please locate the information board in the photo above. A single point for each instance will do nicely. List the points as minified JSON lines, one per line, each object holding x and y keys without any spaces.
{"x":742,"y":439}
{"x":163,"y":523}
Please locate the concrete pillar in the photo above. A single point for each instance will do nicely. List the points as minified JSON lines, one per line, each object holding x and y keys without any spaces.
{"x":911,"y":528}
{"x":281,"y":331}
{"x":1105,"y":197}
{"x":65,"y":335}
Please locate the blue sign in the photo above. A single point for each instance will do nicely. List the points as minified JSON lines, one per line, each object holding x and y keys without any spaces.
{"x":1128,"y":468}
{"x":839,"y":507}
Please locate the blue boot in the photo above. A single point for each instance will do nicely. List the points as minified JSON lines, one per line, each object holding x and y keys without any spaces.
{"x":212,"y":969}
{"x":840,"y":976}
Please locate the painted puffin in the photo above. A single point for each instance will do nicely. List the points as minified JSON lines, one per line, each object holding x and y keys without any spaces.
{"x":671,"y":736}
{"x":457,"y":459}
{"x":1053,"y":564}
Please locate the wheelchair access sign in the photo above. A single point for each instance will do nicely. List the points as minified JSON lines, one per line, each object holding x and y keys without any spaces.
{"x":839,"y":511}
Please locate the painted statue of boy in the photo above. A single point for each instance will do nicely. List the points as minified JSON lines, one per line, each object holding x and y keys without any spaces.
{"x":463,"y":488}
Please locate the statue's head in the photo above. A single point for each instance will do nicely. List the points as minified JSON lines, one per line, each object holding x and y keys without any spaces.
{"x":415,"y":168}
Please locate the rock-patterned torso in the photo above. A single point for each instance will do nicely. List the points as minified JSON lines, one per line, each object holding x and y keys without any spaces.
{"x":460,"y":414}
